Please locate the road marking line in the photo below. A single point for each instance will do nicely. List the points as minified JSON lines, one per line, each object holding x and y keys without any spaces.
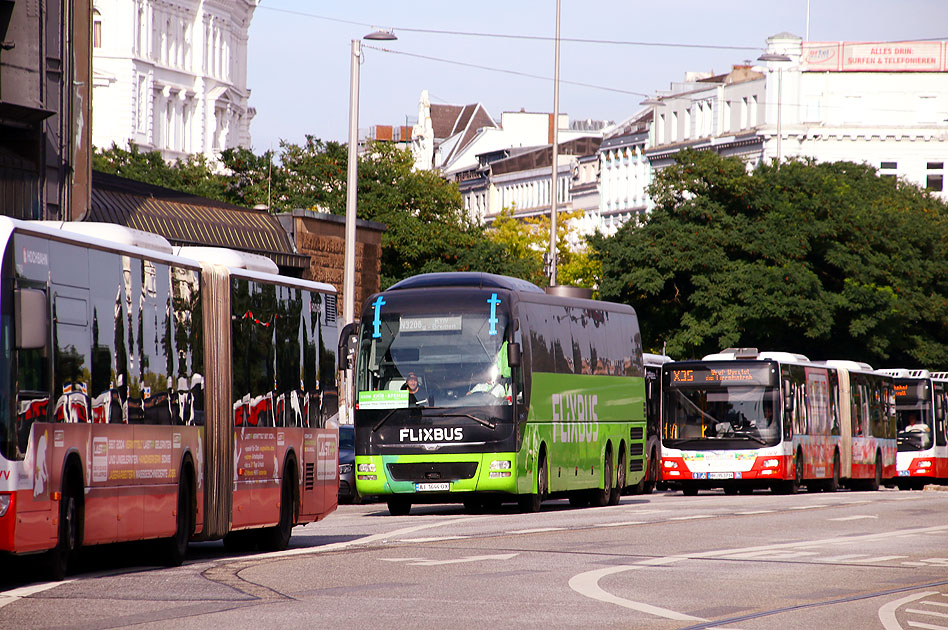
{"x":431,"y":539}
{"x":755,"y":512}
{"x":805,"y":507}
{"x":887,"y":612}
{"x":877,"y":559}
{"x":620,"y":524}
{"x":537,"y":530}
{"x":926,"y":626}
{"x":587,"y":583}
{"x":427,"y":562}
{"x":926,"y":612}
{"x":852,"y":518}
{"x":25,"y":591}
{"x":843,"y":558}
{"x":928,"y":603}
{"x":690,"y":518}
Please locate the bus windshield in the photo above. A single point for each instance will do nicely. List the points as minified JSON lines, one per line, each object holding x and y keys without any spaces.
{"x":737,"y":417}
{"x":914,"y":426}
{"x":411,"y":354}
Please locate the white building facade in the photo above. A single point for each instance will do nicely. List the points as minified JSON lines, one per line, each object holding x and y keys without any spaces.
{"x":171,"y":75}
{"x":883,"y":104}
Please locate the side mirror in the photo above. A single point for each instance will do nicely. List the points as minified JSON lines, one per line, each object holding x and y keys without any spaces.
{"x":514,"y":355}
{"x":32,"y":316}
{"x":348,"y":345}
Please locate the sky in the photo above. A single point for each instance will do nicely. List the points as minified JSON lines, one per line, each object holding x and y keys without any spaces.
{"x":298,"y":53}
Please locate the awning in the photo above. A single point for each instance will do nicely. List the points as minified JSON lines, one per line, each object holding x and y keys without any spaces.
{"x":186,"y":219}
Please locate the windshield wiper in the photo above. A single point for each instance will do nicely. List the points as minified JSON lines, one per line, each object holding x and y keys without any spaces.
{"x":482,"y":421}
{"x":378,"y":425}
{"x":749,"y":436}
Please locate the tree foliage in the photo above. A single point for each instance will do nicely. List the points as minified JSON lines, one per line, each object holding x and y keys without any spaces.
{"x":427,"y":228}
{"x":827,"y":259}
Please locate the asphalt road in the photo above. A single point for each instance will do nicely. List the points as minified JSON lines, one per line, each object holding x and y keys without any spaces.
{"x":844,"y":560}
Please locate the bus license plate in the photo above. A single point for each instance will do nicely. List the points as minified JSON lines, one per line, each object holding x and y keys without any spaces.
{"x":721,"y":475}
{"x":433,"y":487}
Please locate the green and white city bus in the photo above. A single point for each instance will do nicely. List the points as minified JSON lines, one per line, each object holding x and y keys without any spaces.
{"x":478,"y":388}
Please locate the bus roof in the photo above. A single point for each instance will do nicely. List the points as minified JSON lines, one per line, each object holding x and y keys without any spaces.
{"x":905,"y":373}
{"x":478,"y":280}
{"x":655,"y":359}
{"x":731,"y":354}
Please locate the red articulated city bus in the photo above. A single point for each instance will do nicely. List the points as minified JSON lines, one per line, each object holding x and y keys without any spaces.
{"x":921,"y":402}
{"x":126,"y":370}
{"x":743,"y":419}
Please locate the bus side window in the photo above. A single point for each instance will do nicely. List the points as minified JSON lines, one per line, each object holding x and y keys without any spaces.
{"x":940,"y":422}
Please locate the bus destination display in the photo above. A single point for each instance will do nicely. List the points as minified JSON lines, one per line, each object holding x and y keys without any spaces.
{"x":759,"y":374}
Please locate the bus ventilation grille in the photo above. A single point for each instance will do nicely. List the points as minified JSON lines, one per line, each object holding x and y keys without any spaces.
{"x":636,"y":450}
{"x":310,"y":479}
{"x":432,"y":471}
{"x":330,"y":309}
{"x":636,"y":465}
{"x":637,"y":433}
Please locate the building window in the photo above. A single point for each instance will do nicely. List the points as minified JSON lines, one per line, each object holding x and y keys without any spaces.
{"x":936,"y":166}
{"x":674,"y":127}
{"x":926,"y":109}
{"x":889,"y":166}
{"x":96,"y":29}
{"x":935,"y":182}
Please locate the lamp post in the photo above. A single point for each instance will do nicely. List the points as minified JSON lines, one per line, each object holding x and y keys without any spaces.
{"x":781,"y":58}
{"x":352,"y":183}
{"x":556,"y":147}
{"x":352,"y":177}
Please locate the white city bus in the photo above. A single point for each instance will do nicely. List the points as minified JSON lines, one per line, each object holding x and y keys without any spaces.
{"x":921,"y":403}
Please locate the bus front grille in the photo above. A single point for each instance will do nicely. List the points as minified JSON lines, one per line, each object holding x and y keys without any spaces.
{"x":432,"y":471}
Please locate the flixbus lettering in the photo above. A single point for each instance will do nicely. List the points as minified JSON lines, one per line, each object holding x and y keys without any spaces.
{"x":576,"y":416}
{"x":438,"y":434}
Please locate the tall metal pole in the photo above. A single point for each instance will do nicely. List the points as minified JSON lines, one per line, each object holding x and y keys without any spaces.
{"x":779,"y":111}
{"x":556,"y":146}
{"x":352,"y":183}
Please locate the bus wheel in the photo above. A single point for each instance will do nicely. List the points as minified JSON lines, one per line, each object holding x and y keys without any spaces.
{"x":876,"y":480}
{"x":399,"y":507}
{"x":793,"y":486}
{"x":620,"y":480}
{"x":604,"y":495}
{"x":70,"y":536}
{"x":173,"y":550}
{"x":833,"y":484}
{"x":531,"y":502}
{"x":690,"y":491}
{"x":277,"y":538}
{"x":651,"y":473}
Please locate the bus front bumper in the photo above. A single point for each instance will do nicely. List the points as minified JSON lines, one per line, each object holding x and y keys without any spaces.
{"x":380,"y":475}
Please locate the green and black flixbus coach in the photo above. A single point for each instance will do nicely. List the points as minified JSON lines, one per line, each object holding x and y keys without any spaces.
{"x":479,"y":388}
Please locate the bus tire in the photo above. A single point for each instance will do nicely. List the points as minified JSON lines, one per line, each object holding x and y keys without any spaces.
{"x":873,"y":484}
{"x":651,"y":472}
{"x":604,"y":495}
{"x":793,"y":486}
{"x":173,"y":550}
{"x":70,"y":526}
{"x":620,"y":479}
{"x":399,"y":507}
{"x":531,"y":502}
{"x":277,"y":538}
{"x":833,"y":484}
{"x":689,"y":490}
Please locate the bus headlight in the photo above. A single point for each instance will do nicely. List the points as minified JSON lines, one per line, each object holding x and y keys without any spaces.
{"x":771,"y":463}
{"x":502,"y":464}
{"x":368,"y":477}
{"x":367,"y":468}
{"x":5,"y":500}
{"x":925,"y":463}
{"x":670,"y":464}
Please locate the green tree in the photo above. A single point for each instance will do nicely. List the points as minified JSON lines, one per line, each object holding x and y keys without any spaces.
{"x":191,"y":175}
{"x":528,"y":239}
{"x":827,"y":259}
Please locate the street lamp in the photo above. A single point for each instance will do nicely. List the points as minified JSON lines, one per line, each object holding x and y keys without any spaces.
{"x":352,"y":177}
{"x":777,"y":57}
{"x":352,"y":183}
{"x":555,"y":147}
